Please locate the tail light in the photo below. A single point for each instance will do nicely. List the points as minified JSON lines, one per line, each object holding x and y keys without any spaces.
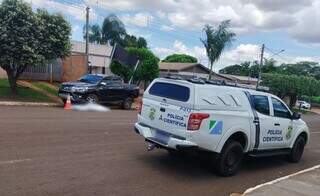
{"x":140,"y":106}
{"x":195,"y":120}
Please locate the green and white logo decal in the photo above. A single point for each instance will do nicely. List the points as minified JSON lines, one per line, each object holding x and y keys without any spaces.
{"x":152,"y":113}
{"x":289,"y":132}
{"x":215,"y":127}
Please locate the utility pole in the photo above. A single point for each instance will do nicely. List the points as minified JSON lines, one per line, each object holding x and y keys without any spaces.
{"x":87,"y":40}
{"x":261,"y":64}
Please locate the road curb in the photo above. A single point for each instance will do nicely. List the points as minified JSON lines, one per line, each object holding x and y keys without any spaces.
{"x":252,"y":189}
{"x":15,"y":103}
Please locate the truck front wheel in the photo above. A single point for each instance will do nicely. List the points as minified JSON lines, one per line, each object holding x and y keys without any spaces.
{"x":297,"y":150}
{"x":229,"y":160}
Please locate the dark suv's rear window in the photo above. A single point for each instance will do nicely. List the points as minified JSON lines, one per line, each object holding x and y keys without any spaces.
{"x":171,"y":91}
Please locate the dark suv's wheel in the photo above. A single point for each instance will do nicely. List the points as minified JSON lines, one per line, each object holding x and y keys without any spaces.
{"x":92,"y":98}
{"x":229,"y":160}
{"x":297,"y":150}
{"x":127,"y":103}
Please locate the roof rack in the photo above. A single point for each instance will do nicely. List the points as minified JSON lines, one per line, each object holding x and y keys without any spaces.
{"x":220,"y":83}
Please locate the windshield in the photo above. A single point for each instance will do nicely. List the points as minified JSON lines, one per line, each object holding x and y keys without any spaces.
{"x":92,"y":79}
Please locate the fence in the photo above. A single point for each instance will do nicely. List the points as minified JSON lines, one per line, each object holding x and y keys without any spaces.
{"x":51,"y":71}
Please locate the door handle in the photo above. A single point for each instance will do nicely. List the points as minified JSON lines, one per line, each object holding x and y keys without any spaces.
{"x":162,"y":109}
{"x":276,"y":124}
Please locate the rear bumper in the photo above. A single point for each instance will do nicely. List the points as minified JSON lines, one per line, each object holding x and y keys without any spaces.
{"x":170,"y":141}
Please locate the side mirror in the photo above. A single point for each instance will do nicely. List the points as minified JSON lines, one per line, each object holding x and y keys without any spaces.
{"x":295,"y":116}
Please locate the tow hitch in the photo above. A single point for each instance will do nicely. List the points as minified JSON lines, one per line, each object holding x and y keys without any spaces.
{"x":151,"y":146}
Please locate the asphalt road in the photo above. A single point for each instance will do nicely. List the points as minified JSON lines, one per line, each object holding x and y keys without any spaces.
{"x":49,"y":151}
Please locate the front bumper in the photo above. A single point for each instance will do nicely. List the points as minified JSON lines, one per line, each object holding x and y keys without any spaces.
{"x":75,"y":97}
{"x":163,"y":138}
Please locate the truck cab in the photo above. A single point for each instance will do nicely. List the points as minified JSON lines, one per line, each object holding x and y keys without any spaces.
{"x":227,"y":121}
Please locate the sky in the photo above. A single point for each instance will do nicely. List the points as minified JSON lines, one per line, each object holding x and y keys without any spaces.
{"x":175,"y":26}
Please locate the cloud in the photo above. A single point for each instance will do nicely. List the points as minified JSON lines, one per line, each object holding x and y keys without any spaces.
{"x":307,"y":29}
{"x":139,"y":19}
{"x":237,"y":55}
{"x":247,"y":16}
{"x":77,"y":11}
{"x":166,"y":28}
{"x":279,"y":5}
{"x":243,"y":52}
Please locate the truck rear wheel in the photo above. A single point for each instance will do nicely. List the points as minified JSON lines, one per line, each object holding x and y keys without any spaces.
{"x":127,"y":103}
{"x":297,"y":150}
{"x":229,"y":160}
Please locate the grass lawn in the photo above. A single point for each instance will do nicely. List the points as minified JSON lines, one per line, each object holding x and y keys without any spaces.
{"x":44,"y":86}
{"x":24,"y":94}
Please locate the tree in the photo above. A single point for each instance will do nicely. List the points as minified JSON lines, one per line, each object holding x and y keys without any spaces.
{"x":28,"y":38}
{"x":113,"y":30}
{"x":180,"y":58}
{"x":291,"y":86}
{"x":240,"y":70}
{"x":142,"y":43}
{"x":216,"y":41}
{"x":147,"y":70}
{"x":133,"y":41}
{"x":121,"y":70}
{"x":95,"y":34}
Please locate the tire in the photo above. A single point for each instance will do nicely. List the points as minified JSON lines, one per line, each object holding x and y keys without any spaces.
{"x":229,"y":160}
{"x":92,"y":98}
{"x":297,"y":150}
{"x":127,"y":103}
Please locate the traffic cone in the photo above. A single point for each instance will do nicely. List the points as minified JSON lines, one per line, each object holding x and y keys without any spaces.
{"x":68,"y":105}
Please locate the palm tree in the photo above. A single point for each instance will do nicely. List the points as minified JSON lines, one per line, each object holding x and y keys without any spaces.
{"x":94,"y":33}
{"x":217,"y":40}
{"x":113,"y":30}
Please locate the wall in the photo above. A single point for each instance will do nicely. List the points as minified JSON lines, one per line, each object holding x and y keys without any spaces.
{"x":73,"y":67}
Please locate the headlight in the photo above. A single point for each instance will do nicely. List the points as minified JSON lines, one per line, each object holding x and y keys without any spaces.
{"x":79,"y":89}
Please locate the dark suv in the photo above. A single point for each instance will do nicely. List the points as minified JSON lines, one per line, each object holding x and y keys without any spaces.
{"x":100,"y":89}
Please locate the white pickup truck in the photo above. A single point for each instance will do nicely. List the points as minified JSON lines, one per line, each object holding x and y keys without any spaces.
{"x":228,"y":121}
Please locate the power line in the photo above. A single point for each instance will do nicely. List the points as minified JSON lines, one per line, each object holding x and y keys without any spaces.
{"x":277,"y":54}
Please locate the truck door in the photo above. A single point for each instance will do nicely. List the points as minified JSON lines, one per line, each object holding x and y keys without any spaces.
{"x":283,"y":122}
{"x":105,"y":90}
{"x":263,"y":121}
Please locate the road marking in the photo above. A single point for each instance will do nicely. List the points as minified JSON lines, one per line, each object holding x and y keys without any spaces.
{"x":249,"y":190}
{"x":121,"y":123}
{"x":14,"y":161}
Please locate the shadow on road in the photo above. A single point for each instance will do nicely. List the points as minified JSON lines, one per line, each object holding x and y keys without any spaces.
{"x":202,"y":166}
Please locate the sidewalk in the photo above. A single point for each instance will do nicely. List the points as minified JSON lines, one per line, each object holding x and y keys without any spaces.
{"x":21,"y":103}
{"x":306,"y":182}
{"x":316,"y":110}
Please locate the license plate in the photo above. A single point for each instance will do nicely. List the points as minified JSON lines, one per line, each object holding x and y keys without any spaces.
{"x":162,"y":136}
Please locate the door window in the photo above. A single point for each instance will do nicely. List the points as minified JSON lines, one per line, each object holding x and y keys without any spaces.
{"x":279,"y":109}
{"x":261,"y":104}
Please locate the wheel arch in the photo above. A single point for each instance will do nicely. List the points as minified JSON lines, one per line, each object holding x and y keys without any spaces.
{"x":238,"y":135}
{"x":304,"y":133}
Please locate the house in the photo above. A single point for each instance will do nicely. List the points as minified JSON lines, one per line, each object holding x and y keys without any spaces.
{"x":74,"y":66}
{"x":189,"y":70}
{"x":242,"y":79}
